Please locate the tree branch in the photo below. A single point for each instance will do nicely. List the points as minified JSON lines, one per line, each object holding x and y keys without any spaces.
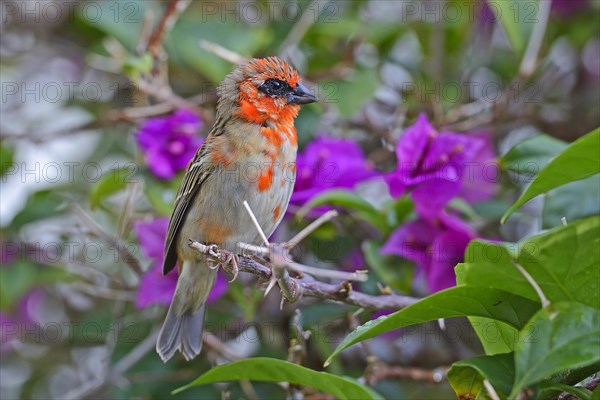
{"x":174,"y":9}
{"x":296,"y":287}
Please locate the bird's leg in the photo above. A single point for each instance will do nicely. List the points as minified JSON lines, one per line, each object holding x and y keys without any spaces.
{"x":229,"y":262}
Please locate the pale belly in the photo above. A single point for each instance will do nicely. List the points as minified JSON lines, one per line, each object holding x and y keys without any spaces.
{"x":218,"y":215}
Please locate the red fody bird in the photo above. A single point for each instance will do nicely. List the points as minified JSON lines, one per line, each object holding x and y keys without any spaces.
{"x":249,"y":155}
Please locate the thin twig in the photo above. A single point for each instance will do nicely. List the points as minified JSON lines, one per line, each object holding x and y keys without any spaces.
{"x":290,"y":290}
{"x":145,"y":32}
{"x":165,"y":94}
{"x":135,"y":355}
{"x":173,"y":11}
{"x":122,"y":249}
{"x":300,"y":236}
{"x":222,"y":52}
{"x":219,"y":347}
{"x":490,"y":389}
{"x":256,"y":224}
{"x":534,"y":284}
{"x":301,"y":26}
{"x":358,"y":276}
{"x":104,"y":292}
{"x":381,"y":371}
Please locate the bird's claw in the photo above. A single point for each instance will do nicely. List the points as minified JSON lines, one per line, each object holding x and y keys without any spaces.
{"x":230,"y":264}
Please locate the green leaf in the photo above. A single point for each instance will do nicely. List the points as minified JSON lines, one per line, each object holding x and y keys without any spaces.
{"x":161,"y":195}
{"x":6,"y":158}
{"x":352,"y":202}
{"x":596,"y":393}
{"x":515,"y":17}
{"x":466,"y":377}
{"x":565,"y":263}
{"x":580,"y":160}
{"x":274,"y":370}
{"x":460,"y":301}
{"x":559,"y":337}
{"x":496,"y":337}
{"x":134,"y":66}
{"x":558,"y":203}
{"x":550,"y":390}
{"x":41,"y":205}
{"x":114,"y":181}
{"x":402,"y":208}
{"x":531,"y":155}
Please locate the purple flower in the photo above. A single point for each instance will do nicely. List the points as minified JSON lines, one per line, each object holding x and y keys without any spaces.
{"x":155,"y":288}
{"x":169,"y":143}
{"x":26,"y":317}
{"x":435,"y":244}
{"x":481,"y":173}
{"x":328,"y":163}
{"x":568,"y":8}
{"x":434,"y":166}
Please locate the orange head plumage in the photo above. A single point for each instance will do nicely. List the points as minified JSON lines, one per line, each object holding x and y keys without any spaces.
{"x":264,"y":89}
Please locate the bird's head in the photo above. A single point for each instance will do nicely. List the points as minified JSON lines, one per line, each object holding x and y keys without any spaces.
{"x":264,"y":89}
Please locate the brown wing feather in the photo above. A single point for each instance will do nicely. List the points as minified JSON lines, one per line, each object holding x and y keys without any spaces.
{"x":192,"y":180}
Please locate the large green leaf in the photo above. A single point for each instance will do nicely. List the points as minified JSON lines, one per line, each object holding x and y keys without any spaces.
{"x":558,"y":203}
{"x":551,"y":390}
{"x":274,"y":370}
{"x":531,"y":155}
{"x":495,"y":337}
{"x":565,"y":263}
{"x":466,"y":377}
{"x":580,"y":160}
{"x":460,"y":301}
{"x":559,"y":337}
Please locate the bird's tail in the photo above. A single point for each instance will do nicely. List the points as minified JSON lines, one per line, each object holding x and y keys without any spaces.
{"x":182,"y":329}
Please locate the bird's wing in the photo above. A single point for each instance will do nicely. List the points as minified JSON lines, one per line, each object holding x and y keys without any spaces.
{"x":198,"y":170}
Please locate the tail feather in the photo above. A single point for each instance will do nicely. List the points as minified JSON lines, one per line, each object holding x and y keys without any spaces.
{"x":181,"y":332}
{"x":182,"y":329}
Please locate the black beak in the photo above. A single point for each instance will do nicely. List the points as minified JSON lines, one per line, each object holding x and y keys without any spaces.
{"x":301,"y":95}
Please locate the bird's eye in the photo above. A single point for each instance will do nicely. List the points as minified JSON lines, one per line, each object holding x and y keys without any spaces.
{"x":275,"y":87}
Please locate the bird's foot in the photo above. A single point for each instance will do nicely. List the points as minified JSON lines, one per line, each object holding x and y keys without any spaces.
{"x":229,"y":264}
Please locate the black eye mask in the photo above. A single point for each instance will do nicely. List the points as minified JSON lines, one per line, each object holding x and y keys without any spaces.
{"x":276,"y":88}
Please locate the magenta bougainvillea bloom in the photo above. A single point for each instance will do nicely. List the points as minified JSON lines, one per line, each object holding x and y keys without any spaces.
{"x":328,"y":163}
{"x":437,"y":166}
{"x":26,"y":318}
{"x":155,"y":288}
{"x":436,"y":244}
{"x":170,"y":142}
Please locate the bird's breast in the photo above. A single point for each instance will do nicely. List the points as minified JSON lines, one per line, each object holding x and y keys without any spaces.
{"x":257,"y":166}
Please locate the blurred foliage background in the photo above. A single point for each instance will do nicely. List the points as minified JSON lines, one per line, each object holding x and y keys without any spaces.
{"x":79,"y":205}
